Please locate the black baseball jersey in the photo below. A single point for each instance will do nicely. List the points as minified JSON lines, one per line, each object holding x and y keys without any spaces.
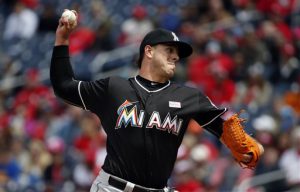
{"x":144,"y":121}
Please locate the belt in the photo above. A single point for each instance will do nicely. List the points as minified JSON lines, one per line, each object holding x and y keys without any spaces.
{"x":122,"y":185}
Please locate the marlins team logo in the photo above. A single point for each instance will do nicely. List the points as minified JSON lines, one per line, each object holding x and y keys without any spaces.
{"x":128,"y":114}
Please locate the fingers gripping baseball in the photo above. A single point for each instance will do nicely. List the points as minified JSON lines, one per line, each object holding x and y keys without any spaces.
{"x":69,"y":19}
{"x":67,"y":23}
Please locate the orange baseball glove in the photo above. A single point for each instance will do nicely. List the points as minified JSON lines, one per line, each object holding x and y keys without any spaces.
{"x":240,"y":143}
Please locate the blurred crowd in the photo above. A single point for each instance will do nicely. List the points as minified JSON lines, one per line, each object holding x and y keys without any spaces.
{"x":246,"y":57}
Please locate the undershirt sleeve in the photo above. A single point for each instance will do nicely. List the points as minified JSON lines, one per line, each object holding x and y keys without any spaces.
{"x":62,"y":76}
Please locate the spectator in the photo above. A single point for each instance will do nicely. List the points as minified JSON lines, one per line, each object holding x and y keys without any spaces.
{"x":83,"y":172}
{"x":99,"y":12}
{"x":165,"y":18}
{"x":10,"y":68}
{"x":269,"y":163}
{"x":256,"y":92}
{"x":57,"y":172}
{"x":245,"y":11}
{"x":48,"y":19}
{"x":21,"y":23}
{"x":10,"y":169}
{"x":266,"y":132}
{"x":288,"y":69}
{"x":253,"y":51}
{"x":103,"y":40}
{"x":211,"y":73}
{"x":33,"y":96}
{"x":65,"y":124}
{"x":90,"y":139}
{"x":136,"y":27}
{"x":30,"y":106}
{"x":291,"y":98}
{"x":283,"y":8}
{"x":82,"y":39}
{"x":185,"y":181}
{"x":217,"y":13}
{"x":31,"y":4}
{"x":221,"y":88}
{"x":290,"y":162}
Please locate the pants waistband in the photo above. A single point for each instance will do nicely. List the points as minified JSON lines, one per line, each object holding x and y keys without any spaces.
{"x":124,"y":185}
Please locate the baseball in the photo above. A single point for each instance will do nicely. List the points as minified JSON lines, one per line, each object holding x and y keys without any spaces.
{"x":70,"y":15}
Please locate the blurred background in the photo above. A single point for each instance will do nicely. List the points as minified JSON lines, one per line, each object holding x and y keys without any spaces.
{"x":246,"y":56}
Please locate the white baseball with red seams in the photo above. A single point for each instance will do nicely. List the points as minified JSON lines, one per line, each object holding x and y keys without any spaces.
{"x":70,"y":15}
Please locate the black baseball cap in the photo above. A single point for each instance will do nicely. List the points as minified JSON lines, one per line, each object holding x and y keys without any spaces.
{"x":163,"y":36}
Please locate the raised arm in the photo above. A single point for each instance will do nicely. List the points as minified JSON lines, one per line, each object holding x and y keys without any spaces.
{"x":61,"y":73}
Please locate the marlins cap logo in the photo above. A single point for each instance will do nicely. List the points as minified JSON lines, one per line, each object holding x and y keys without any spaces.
{"x":175,"y":38}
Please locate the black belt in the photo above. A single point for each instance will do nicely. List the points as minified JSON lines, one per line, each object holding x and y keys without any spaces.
{"x":122,"y":184}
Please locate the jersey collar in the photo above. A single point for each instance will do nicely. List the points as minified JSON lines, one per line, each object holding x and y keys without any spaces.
{"x":149,"y":86}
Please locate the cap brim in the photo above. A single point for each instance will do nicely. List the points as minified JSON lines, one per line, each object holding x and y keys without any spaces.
{"x":184,"y":49}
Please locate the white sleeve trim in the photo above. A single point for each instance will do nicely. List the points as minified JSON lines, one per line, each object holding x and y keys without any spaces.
{"x":80,"y":95}
{"x":215,"y":118}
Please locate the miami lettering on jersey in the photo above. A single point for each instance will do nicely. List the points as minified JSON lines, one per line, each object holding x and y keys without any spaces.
{"x":128,"y":114}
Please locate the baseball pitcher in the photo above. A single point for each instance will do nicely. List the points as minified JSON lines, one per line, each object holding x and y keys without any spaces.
{"x":145,"y":117}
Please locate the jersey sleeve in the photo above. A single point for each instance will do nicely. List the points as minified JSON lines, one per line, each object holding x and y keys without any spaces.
{"x":84,"y":94}
{"x":209,"y":116}
{"x":93,"y":94}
